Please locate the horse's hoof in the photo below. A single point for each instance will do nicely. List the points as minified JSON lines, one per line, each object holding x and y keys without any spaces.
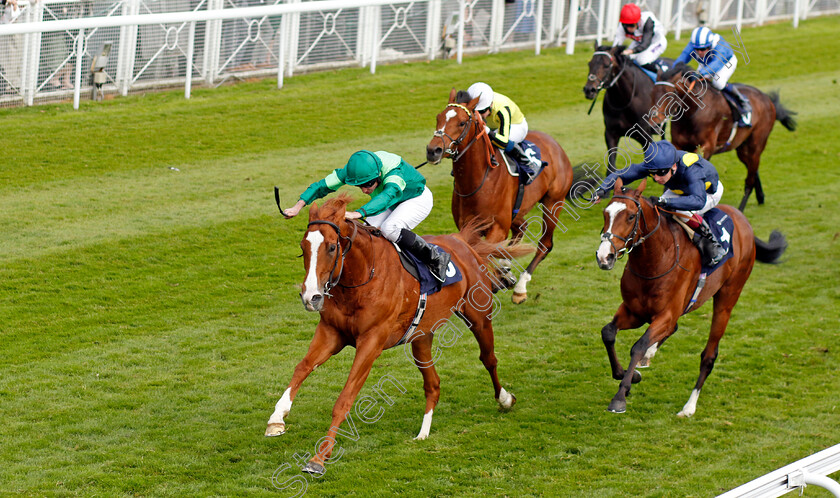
{"x":314,"y":468}
{"x":518,"y":298}
{"x":637,"y":377}
{"x":275,"y":430}
{"x":643,"y":363}
{"x":617,"y":406}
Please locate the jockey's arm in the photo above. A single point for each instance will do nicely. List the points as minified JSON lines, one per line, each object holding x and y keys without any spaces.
{"x":501,"y":137}
{"x":619,"y":36}
{"x":694,"y":196}
{"x":647,"y":37}
{"x":685,"y":56}
{"x":386,"y":199}
{"x":324,"y":187}
{"x":629,"y":175}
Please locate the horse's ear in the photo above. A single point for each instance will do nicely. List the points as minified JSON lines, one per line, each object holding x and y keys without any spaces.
{"x":596,"y":45}
{"x":641,"y":188}
{"x":616,"y":50}
{"x":314,"y":211}
{"x":619,"y":184}
{"x":472,"y":104}
{"x":452,"y":95}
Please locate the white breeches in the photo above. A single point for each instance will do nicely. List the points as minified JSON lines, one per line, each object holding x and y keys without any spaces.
{"x":654,"y":51}
{"x":720,"y":78}
{"x":407,"y":214}
{"x":518,"y":131}
{"x":712,"y":200}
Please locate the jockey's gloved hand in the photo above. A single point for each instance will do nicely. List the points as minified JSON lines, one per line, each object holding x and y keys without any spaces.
{"x":601,"y":194}
{"x":659,"y":201}
{"x":486,"y":129}
{"x":491,"y":134}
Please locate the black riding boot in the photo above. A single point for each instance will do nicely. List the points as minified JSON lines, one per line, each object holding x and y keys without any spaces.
{"x":436,"y":260}
{"x":531,"y":163}
{"x":710,"y":249}
{"x":745,"y":107}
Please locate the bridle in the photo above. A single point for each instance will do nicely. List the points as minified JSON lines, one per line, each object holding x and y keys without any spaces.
{"x":602,"y":84}
{"x":452,"y":149}
{"x":333,"y":279}
{"x":639,"y":240}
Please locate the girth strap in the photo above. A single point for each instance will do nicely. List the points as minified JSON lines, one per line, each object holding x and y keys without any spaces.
{"x":418,"y":315}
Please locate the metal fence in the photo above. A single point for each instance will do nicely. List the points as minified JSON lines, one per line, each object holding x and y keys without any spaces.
{"x":48,"y":47}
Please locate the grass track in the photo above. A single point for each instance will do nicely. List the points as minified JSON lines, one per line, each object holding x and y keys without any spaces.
{"x":149,"y":318}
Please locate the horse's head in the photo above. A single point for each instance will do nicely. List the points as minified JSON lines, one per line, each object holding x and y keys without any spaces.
{"x":324,"y":248}
{"x":456,"y":124}
{"x":603,"y":66}
{"x":674,"y":93}
{"x":621,"y":230}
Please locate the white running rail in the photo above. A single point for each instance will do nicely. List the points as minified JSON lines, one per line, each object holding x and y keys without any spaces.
{"x":810,"y":470}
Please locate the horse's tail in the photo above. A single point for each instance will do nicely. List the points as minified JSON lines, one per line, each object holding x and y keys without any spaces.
{"x":471,"y":233}
{"x":770,"y":251}
{"x":583,"y":183}
{"x":783,"y":115}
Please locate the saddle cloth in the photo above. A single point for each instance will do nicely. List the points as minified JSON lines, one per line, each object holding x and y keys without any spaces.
{"x":722,"y":229}
{"x":419,"y":270}
{"x":525,"y":172}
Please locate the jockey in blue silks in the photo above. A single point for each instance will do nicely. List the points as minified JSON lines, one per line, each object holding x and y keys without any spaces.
{"x":716,"y":62}
{"x":692,"y":187}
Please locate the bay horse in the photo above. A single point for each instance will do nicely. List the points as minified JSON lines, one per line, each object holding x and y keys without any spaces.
{"x":660,"y":278}
{"x":701,"y":119}
{"x":486,"y":191}
{"x":354,"y":278}
{"x":627,"y":100}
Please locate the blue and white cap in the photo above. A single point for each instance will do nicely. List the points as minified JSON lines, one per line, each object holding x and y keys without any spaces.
{"x":660,"y":155}
{"x":703,"y":37}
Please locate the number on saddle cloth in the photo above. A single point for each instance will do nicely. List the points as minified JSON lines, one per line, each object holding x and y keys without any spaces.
{"x":528,"y":172}
{"x":428,"y":283}
{"x":723,"y":229}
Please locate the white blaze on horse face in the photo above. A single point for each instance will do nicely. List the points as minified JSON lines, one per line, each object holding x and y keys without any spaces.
{"x":310,"y":285}
{"x":605,"y":247}
{"x":449,"y":115}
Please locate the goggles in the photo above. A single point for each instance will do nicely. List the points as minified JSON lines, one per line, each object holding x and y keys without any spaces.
{"x":658,"y":172}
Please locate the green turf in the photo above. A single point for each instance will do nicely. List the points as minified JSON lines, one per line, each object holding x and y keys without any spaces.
{"x":149,"y":317}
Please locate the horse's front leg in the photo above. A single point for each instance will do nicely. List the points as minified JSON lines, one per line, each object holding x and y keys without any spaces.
{"x":622,"y":320}
{"x":325,"y":343}
{"x":368,"y":349}
{"x":659,"y":328}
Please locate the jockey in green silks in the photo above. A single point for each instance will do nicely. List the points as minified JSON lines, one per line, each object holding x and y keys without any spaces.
{"x":399,"y":201}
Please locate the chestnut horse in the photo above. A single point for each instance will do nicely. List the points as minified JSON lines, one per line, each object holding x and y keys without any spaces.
{"x":367,"y":300}
{"x":660,"y":279}
{"x":486,"y":191}
{"x":628,"y":97}
{"x":702,"y":119}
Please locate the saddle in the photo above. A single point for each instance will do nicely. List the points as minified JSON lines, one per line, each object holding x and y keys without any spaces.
{"x":525,"y":171}
{"x":722,"y":228}
{"x":421,"y":273}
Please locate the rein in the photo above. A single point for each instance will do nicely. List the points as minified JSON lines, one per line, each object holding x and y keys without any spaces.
{"x":333,"y":279}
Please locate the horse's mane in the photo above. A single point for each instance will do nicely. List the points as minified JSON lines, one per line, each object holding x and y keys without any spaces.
{"x":335,"y":205}
{"x":471,"y":234}
{"x":680,"y":68}
{"x":462,"y":97}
